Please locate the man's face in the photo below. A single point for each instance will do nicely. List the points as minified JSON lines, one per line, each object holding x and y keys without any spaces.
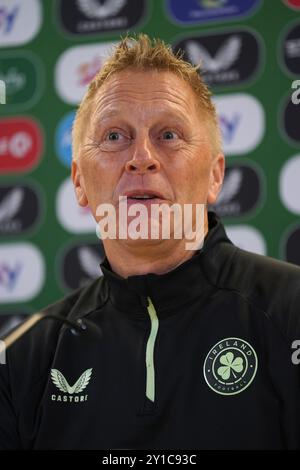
{"x":146,"y":136}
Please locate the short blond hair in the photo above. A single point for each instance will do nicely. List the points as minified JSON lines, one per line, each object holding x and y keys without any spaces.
{"x":144,"y":53}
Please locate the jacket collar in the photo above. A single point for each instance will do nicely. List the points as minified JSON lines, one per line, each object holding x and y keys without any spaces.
{"x":175,"y":288}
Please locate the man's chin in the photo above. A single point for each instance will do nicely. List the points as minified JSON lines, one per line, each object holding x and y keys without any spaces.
{"x":140,"y":241}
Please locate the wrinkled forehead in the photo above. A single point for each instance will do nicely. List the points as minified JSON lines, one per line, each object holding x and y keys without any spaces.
{"x":128,"y":90}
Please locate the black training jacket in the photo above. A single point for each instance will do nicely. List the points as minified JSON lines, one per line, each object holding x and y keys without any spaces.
{"x":198,"y":358}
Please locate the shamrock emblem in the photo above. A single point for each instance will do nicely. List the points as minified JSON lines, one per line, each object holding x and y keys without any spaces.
{"x":230,"y":365}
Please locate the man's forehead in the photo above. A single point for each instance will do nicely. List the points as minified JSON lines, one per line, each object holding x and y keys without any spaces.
{"x":133,"y":87}
{"x":144,"y":80}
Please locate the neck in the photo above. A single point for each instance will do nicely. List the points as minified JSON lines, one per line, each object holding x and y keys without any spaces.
{"x":141,"y":257}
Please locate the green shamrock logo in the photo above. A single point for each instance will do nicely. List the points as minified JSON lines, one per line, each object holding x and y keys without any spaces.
{"x":230,"y":365}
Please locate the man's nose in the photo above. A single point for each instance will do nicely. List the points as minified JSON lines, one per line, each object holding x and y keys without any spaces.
{"x":144,"y":158}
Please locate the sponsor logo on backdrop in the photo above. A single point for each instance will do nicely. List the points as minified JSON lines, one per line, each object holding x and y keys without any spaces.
{"x":202,"y":11}
{"x":291,"y":252}
{"x":289,"y":184}
{"x":20,"y":21}
{"x":63,"y":139}
{"x":295,"y":4}
{"x":23,"y":80}
{"x":20,"y":144}
{"x":76,"y":67}
{"x":22,"y":272}
{"x":19,"y":209}
{"x":291,"y":49}
{"x":226,"y":59}
{"x":289,"y":121}
{"x":80,"y":264}
{"x":247,"y":238}
{"x":86,"y":17}
{"x":72,"y":217}
{"x":242,"y":121}
{"x":241,"y":191}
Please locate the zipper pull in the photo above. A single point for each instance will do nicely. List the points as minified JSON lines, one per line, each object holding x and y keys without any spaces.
{"x":150,"y":366}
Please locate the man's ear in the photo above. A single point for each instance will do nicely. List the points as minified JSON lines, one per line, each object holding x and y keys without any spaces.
{"x":77,"y":179}
{"x":216,"y":178}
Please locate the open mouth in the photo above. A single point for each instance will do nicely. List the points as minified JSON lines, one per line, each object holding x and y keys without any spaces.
{"x":138,"y":198}
{"x":143,"y":195}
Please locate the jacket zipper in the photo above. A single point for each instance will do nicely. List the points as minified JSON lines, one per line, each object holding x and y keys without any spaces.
{"x":150,"y":367}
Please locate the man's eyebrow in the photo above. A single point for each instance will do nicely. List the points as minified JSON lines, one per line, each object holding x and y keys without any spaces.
{"x":106,"y":115}
{"x":178,"y":116}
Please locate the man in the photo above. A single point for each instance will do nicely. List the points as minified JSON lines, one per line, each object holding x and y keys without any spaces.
{"x":194,"y":346}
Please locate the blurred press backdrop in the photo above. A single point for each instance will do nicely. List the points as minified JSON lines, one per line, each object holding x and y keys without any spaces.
{"x":49,"y":52}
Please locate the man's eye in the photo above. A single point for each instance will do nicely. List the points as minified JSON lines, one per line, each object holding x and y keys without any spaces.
{"x":114,"y":141}
{"x":169,"y":135}
{"x":113,"y":136}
